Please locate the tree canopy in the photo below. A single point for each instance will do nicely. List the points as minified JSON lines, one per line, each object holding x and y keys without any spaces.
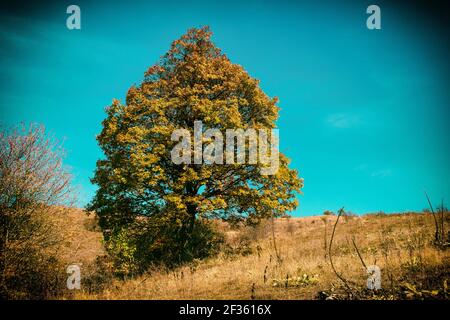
{"x":193,"y":81}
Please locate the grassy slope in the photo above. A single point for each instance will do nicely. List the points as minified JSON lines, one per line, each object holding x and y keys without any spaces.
{"x":82,"y":239}
{"x":399,"y":244}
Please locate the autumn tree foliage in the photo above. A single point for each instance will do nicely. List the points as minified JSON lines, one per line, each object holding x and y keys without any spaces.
{"x":140,"y":187}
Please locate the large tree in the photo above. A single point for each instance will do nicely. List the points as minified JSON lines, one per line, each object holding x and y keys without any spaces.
{"x":193,"y":81}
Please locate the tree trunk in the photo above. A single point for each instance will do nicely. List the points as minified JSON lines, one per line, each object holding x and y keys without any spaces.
{"x":192,"y":211}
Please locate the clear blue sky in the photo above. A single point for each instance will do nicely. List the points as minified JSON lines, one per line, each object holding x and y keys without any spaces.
{"x":365,"y":114}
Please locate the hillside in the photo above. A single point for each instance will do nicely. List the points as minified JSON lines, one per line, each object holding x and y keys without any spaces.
{"x":294,"y":266}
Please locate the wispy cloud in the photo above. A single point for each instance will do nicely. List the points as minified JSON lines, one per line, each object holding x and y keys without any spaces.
{"x":382,"y":173}
{"x":365,"y":169}
{"x":361,"y":167}
{"x":342,"y":120}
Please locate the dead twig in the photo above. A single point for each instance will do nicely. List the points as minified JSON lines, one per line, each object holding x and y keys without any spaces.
{"x":359,"y":254}
{"x":442,"y":222}
{"x":340,"y":212}
{"x":436,"y":235}
{"x":279,"y":259}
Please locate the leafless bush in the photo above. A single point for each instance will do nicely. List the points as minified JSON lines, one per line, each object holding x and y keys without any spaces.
{"x":33,"y":185}
{"x":441,"y":239}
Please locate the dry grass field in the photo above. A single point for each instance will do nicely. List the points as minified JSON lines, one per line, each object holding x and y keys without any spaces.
{"x":294,"y":264}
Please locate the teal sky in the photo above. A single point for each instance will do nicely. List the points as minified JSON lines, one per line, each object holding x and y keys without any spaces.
{"x":364,"y":113}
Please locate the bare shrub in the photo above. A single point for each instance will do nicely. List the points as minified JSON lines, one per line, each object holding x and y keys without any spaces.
{"x":33,"y":185}
{"x":441,"y":239}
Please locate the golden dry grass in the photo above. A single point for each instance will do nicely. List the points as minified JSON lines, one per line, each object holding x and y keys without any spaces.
{"x":80,"y":234}
{"x":400,"y":244}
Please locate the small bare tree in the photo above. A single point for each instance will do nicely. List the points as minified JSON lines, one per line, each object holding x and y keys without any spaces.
{"x":33,"y":183}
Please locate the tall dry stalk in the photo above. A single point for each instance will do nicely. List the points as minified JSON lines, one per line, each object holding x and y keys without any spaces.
{"x":436,"y":234}
{"x":279,"y":258}
{"x":344,"y":281}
